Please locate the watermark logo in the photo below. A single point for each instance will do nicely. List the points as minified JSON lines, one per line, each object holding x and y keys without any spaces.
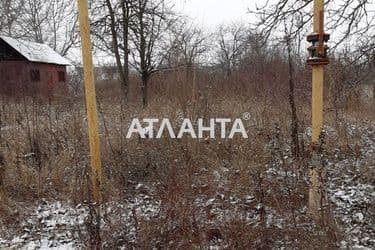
{"x":223,"y":128}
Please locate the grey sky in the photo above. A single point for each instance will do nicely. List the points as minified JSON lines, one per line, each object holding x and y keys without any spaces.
{"x":210,"y":13}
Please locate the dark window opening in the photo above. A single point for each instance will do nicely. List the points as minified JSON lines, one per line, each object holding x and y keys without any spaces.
{"x":61,"y":76}
{"x":35,"y":75}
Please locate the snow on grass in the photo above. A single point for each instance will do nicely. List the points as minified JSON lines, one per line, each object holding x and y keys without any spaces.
{"x":352,"y":191}
{"x":59,"y":225}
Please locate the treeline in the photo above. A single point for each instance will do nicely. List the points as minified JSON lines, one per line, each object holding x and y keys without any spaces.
{"x":151,"y":38}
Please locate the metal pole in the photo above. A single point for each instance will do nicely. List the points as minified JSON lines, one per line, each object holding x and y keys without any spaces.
{"x":92,"y":114}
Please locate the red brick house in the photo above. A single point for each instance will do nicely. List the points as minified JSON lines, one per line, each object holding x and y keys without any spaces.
{"x":30,"y":68}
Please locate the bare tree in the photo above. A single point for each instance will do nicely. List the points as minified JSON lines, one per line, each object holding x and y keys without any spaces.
{"x":232,"y":42}
{"x":52,"y":22}
{"x":62,"y":24}
{"x":350,"y":19}
{"x":152,"y":22}
{"x":9,"y":14}
{"x":111,"y":30}
{"x":187,"y":44}
{"x":292,"y":102}
{"x":133,"y":28}
{"x":36,"y":13}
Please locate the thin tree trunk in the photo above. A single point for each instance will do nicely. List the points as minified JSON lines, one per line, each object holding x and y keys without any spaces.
{"x":125,"y":16}
{"x":2,"y":171}
{"x":295,"y":144}
{"x":145,"y":79}
{"x":143,"y":57}
{"x":124,"y":77}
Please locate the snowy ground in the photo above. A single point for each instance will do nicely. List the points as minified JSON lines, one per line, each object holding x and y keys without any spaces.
{"x":351,"y":190}
{"x":57,"y":225}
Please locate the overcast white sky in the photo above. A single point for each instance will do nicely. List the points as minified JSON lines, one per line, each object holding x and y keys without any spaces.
{"x":210,"y":13}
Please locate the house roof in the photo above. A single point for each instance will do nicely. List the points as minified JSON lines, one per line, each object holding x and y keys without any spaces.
{"x":35,"y":52}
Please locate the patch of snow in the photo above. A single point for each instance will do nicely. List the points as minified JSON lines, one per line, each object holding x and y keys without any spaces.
{"x":36,"y":52}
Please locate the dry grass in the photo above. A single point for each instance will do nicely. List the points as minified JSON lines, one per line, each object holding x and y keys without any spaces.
{"x":44,"y":145}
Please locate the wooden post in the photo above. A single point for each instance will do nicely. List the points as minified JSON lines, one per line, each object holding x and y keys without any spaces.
{"x":317,"y":102}
{"x":316,"y":171}
{"x":91,"y":107}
